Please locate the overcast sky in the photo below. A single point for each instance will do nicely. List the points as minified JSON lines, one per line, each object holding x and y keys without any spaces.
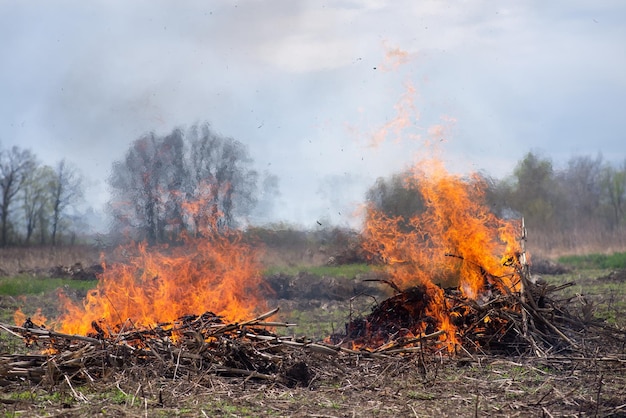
{"x":328,"y":95}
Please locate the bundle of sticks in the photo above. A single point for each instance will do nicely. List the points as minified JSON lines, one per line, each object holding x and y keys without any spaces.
{"x":191,"y":345}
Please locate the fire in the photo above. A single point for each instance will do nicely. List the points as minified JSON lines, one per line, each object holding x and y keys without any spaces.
{"x":218,"y":274}
{"x":37,"y":318}
{"x":403,"y":120}
{"x":212,"y":270}
{"x":456,"y":241}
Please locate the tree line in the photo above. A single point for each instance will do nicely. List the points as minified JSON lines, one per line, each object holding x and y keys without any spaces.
{"x":35,"y":199}
{"x":586,"y":194}
{"x":195,"y":181}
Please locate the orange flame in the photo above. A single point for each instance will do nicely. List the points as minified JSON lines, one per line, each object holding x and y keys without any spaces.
{"x":154,"y":286}
{"x":406,"y":113}
{"x":394,"y":57}
{"x":37,"y":318}
{"x":213,"y":271}
{"x":455,"y":241}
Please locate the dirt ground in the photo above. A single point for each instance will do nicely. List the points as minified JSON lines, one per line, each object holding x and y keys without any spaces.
{"x":353,"y":387}
{"x":422,"y":384}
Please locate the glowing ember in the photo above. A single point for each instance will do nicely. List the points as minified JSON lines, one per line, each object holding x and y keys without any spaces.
{"x":456,"y":241}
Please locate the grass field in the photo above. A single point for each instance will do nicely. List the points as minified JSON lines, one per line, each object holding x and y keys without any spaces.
{"x":595,"y":261}
{"x":426,"y":384}
{"x":26,"y":285}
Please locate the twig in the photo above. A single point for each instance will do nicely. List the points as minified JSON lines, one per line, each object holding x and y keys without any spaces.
{"x":476,"y":406}
{"x":76,"y":395}
{"x":397,"y":344}
{"x":387,"y":282}
{"x":598,"y":395}
{"x":132,"y":402}
{"x":177,"y":364}
{"x":260,"y":318}
{"x":544,"y":396}
{"x":47,"y":333}
{"x":243,"y":372}
{"x":10,"y":332}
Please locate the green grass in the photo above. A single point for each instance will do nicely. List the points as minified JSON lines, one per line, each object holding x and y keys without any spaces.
{"x":345,"y":270}
{"x":25,"y":285}
{"x":595,"y":261}
{"x":608,"y":298}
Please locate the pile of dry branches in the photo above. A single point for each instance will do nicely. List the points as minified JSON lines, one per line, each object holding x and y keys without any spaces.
{"x":531,"y":320}
{"x":191,"y":346}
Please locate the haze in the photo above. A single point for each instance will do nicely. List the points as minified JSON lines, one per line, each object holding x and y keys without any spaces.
{"x":327,"y":95}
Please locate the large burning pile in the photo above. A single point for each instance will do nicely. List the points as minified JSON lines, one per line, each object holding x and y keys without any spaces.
{"x":460,"y":274}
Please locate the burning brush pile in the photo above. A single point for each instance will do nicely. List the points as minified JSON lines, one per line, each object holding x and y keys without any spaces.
{"x":193,"y":346}
{"x":462,"y":281}
{"x":460,"y":275}
{"x":141,"y":317}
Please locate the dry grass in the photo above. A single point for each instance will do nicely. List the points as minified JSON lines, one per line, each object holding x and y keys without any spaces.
{"x":550,"y":244}
{"x":16,"y":260}
{"x":295,"y":257}
{"x":408,"y":386}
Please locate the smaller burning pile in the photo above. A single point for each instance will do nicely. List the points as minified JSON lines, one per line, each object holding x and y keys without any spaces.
{"x":192,"y":346}
{"x":143,"y":316}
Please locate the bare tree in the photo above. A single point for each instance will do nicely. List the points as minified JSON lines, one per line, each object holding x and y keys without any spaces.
{"x":15,"y":166}
{"x":221,"y":170}
{"x":580,"y":190}
{"x":147,"y":185}
{"x":397,"y":195}
{"x":36,"y":200}
{"x":614,"y":186}
{"x":160,"y":189}
{"x":67,"y":189}
{"x":268,"y":193}
{"x":534,"y":190}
